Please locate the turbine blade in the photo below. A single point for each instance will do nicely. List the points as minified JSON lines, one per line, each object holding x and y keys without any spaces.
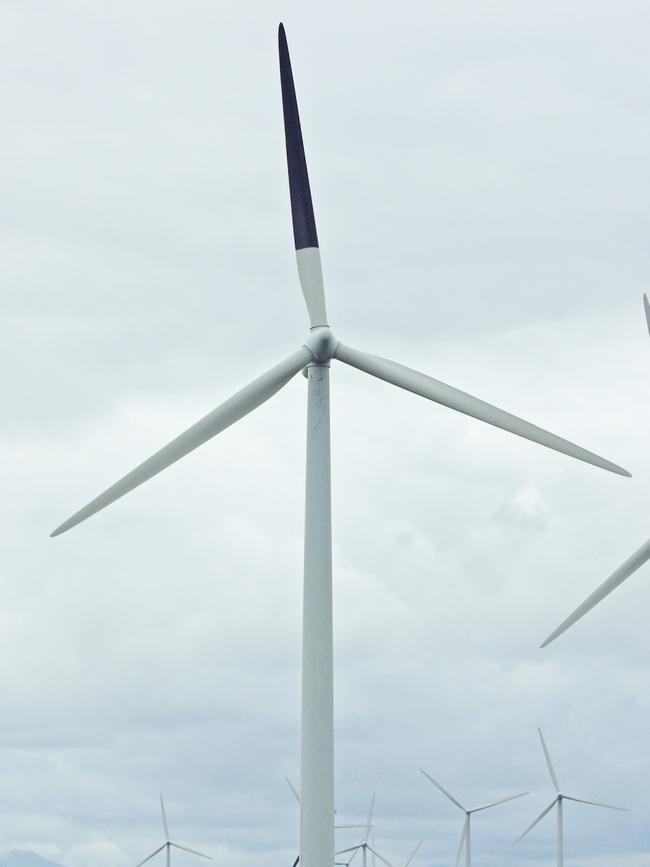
{"x":462,"y":840}
{"x":153,"y":854}
{"x":193,"y":851}
{"x":381,"y":858}
{"x":549,"y":763}
{"x":501,"y":801}
{"x":361,"y":825}
{"x":538,"y":819}
{"x":444,"y":791}
{"x":369,"y":819}
{"x":597,"y":804}
{"x":164,"y":818}
{"x":351,"y":849}
{"x":628,"y":568}
{"x":439,"y":392}
{"x":414,"y":852}
{"x":646,"y":307}
{"x":302,"y":211}
{"x":296,"y":862}
{"x":293,"y":789}
{"x":240,"y":404}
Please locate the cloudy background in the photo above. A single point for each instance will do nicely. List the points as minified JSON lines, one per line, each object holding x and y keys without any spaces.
{"x":481,"y":178}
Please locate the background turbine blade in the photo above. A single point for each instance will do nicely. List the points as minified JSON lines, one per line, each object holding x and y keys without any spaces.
{"x":414,"y":853}
{"x":153,"y":854}
{"x":462,"y":841}
{"x":615,"y":579}
{"x":381,"y":858}
{"x":293,"y":789}
{"x":500,"y":801}
{"x":538,"y":819}
{"x":302,"y":211}
{"x":596,"y":804}
{"x":439,"y":392}
{"x":351,"y":849}
{"x":549,"y":763}
{"x":164,"y":818}
{"x":444,"y":791}
{"x":369,"y":819}
{"x":646,"y":307}
{"x":240,"y":404}
{"x":361,"y":825}
{"x":193,"y":851}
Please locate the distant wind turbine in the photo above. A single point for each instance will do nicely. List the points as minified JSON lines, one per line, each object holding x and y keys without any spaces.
{"x":629,"y":567}
{"x":167,"y":845}
{"x":319,"y":348}
{"x":558,"y":801}
{"x":466,"y":835}
{"x":364,"y":846}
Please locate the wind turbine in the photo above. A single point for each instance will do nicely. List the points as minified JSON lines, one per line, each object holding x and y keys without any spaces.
{"x":629,"y":567}
{"x":364,"y":846}
{"x":316,"y":352}
{"x":559,"y":800}
{"x":167,"y":845}
{"x":466,"y":836}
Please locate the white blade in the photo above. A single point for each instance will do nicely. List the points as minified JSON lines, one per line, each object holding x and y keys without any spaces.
{"x":596,"y":804}
{"x":444,"y":791}
{"x":377,"y":855}
{"x":462,"y":840}
{"x":293,"y":789}
{"x":538,"y":819}
{"x":193,"y":851}
{"x":433,"y":389}
{"x":496,"y":803}
{"x":310,"y":274}
{"x":646,"y":307}
{"x":362,"y":825}
{"x":164,"y":818}
{"x":549,"y":763}
{"x":631,"y":565}
{"x":351,"y":849}
{"x":354,"y":854}
{"x":239,"y":405}
{"x":153,"y":854}
{"x":369,"y":820}
{"x":414,"y":852}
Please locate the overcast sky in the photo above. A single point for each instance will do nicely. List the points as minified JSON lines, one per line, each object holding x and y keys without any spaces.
{"x":481,"y":179}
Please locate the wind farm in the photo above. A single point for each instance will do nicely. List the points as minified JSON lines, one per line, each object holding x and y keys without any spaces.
{"x":314,"y":356}
{"x":331,"y":580}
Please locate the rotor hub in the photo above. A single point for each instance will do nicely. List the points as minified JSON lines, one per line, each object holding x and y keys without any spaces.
{"x":321,"y":343}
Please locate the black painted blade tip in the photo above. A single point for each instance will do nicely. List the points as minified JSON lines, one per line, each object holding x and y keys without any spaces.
{"x":302,"y":211}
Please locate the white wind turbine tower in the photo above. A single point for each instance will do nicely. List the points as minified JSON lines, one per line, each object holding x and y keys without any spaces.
{"x":466,"y":835}
{"x":167,"y":845}
{"x":315,"y":354}
{"x":629,"y":567}
{"x":558,"y":801}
